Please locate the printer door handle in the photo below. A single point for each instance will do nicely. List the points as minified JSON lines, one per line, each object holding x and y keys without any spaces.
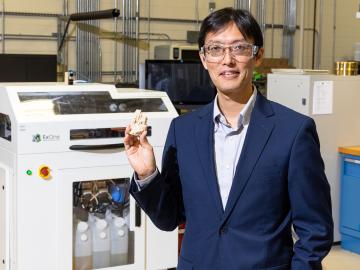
{"x":137,"y":215}
{"x":96,"y":147}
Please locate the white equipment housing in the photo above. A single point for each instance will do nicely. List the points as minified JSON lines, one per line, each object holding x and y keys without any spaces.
{"x":55,"y":138}
{"x":339,"y":127}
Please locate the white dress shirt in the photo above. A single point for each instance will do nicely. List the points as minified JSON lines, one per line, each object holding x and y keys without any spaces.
{"x":229,"y":142}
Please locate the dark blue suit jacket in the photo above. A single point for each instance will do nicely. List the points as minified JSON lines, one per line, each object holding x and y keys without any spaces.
{"x":279,"y":181}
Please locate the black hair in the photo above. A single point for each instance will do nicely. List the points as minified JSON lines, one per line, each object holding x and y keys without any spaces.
{"x":243,"y":19}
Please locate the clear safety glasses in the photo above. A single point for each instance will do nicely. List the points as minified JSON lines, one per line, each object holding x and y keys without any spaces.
{"x":241,"y":52}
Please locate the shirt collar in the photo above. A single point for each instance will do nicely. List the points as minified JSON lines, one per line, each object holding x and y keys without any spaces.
{"x":244,"y":117}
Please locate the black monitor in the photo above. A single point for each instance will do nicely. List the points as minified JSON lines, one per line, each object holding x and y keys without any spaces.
{"x":28,"y":68}
{"x":185,"y":81}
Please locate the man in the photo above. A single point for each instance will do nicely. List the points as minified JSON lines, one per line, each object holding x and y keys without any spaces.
{"x":240,"y":171}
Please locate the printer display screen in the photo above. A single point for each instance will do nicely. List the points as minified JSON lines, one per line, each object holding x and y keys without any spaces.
{"x":87,"y":102}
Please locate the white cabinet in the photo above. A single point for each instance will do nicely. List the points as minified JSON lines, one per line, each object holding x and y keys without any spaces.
{"x":340,"y":127}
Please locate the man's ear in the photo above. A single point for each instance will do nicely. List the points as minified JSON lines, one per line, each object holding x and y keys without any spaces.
{"x":202,"y":58}
{"x":259,"y":57}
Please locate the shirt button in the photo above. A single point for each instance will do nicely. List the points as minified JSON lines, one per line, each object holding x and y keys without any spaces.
{"x":227,"y":166}
{"x":223,"y":230}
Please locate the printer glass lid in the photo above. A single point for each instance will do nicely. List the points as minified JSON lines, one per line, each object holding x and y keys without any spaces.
{"x":87,"y":102}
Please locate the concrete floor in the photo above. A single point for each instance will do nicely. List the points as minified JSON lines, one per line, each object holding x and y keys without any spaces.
{"x":340,"y":259}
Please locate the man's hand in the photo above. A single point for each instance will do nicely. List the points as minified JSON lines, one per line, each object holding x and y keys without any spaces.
{"x":140,"y":153}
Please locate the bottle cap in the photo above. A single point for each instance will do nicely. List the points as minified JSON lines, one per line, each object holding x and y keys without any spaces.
{"x":121,"y":233}
{"x":119,"y":222}
{"x":101,"y":224}
{"x":84,"y":237}
{"x":102,"y":235}
{"x":82,"y":226}
{"x":116,"y":194}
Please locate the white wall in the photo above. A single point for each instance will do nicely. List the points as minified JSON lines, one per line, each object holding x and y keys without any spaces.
{"x":347,"y":28}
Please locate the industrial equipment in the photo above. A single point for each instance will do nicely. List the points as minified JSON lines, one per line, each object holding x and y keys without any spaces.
{"x":64,"y":178}
{"x":332,"y":101}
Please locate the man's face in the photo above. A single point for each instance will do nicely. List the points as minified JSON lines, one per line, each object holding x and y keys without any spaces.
{"x":230,"y":74}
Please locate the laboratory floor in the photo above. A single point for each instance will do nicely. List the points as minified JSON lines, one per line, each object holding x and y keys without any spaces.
{"x":340,"y":259}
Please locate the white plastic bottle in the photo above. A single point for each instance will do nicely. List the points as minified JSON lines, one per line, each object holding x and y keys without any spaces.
{"x":83,"y":247}
{"x":119,"y":241}
{"x":101,"y":244}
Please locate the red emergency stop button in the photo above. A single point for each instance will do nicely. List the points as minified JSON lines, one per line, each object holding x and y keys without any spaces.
{"x":44,"y":172}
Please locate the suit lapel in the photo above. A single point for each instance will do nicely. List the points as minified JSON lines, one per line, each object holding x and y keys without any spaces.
{"x":258,"y":133}
{"x":204,"y":136}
